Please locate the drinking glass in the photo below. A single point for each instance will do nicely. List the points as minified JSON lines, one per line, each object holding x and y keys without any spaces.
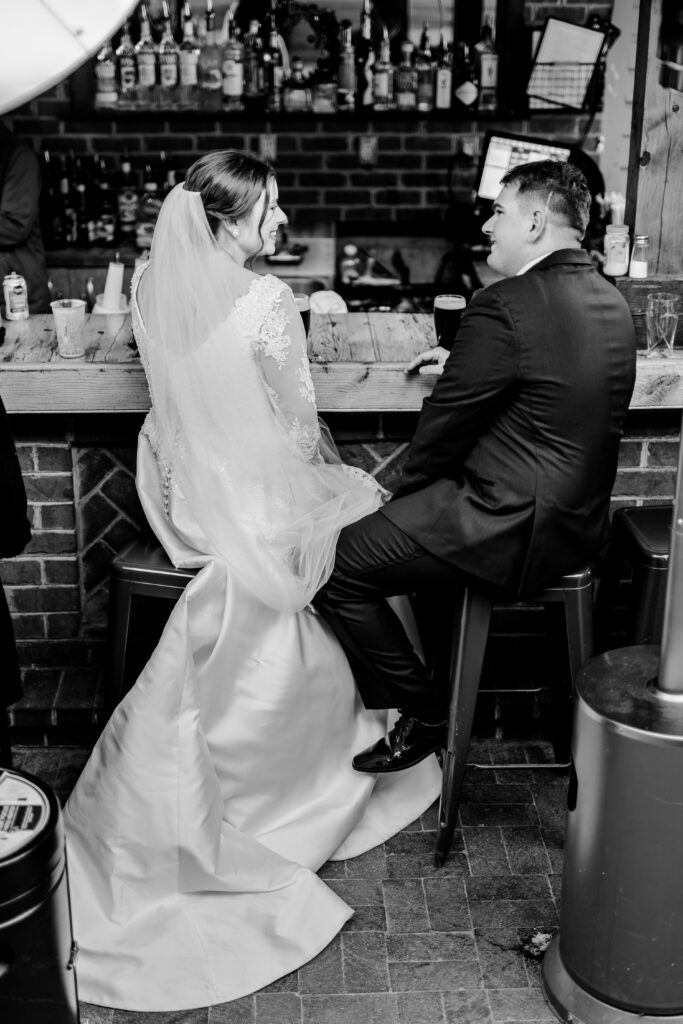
{"x":303,"y":304}
{"x":69,"y":317}
{"x":447,"y":313}
{"x":662,"y":320}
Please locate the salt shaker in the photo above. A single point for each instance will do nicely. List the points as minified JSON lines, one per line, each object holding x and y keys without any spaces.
{"x":638,"y":265}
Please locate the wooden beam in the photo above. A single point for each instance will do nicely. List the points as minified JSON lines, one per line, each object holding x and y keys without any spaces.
{"x":653,"y":204}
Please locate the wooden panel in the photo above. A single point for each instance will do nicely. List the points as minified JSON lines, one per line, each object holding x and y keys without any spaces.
{"x":110,"y":378}
{"x":399,"y":343}
{"x":360,"y":344}
{"x":656,"y":158}
{"x":34,"y":340}
{"x":74,"y":386}
{"x":659,"y":384}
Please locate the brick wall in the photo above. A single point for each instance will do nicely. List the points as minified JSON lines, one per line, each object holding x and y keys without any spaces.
{"x":42,"y":584}
{"x":317,"y":164}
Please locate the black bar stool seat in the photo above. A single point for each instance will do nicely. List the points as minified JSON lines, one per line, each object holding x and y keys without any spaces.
{"x":142,"y":567}
{"x":574,"y":594}
{"x":641,"y":538}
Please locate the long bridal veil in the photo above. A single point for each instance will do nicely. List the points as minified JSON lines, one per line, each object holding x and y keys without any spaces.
{"x":268,"y":512}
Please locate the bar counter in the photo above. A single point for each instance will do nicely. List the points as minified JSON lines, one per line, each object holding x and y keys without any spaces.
{"x":76,"y":424}
{"x":357,"y":360}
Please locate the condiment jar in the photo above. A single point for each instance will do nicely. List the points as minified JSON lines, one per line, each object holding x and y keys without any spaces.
{"x":638,"y":265}
{"x":616,"y":250}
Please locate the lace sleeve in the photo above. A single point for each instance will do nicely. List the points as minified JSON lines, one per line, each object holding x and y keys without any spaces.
{"x":273,"y":324}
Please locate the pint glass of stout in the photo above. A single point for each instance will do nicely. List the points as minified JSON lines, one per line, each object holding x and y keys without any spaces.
{"x":447,"y":313}
{"x":303,"y":304}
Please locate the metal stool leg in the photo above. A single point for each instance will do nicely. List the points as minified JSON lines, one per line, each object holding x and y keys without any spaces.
{"x":471,"y":627}
{"x":577,"y":606}
{"x":610,"y":578}
{"x":120,"y":599}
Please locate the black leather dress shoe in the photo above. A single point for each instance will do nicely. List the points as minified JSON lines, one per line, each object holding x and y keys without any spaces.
{"x":408,"y":743}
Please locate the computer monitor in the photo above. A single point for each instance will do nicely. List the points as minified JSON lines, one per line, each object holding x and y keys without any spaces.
{"x":504,"y":150}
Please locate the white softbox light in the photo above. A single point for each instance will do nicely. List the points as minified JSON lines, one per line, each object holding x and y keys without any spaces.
{"x":43,"y":41}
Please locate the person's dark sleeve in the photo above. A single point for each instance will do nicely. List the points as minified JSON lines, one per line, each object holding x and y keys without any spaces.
{"x":15,"y":532}
{"x":479,"y":372}
{"x":20,"y":196}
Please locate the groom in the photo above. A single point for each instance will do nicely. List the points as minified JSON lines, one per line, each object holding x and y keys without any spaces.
{"x":509,"y":474}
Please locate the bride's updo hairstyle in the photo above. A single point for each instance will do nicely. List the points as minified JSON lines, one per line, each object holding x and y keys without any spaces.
{"x":230,"y":183}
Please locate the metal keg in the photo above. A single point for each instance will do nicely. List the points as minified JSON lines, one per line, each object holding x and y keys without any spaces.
{"x":37,"y":976}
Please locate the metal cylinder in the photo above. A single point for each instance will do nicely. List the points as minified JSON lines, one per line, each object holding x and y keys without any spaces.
{"x":37,"y":976}
{"x":621,"y":918}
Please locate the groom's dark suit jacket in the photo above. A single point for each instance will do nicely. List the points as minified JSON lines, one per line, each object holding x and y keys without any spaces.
{"x":512,"y":464}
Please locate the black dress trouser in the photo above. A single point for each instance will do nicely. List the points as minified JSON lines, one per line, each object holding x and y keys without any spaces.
{"x":375,"y":560}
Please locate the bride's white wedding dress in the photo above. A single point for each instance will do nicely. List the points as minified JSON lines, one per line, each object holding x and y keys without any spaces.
{"x":223,"y":780}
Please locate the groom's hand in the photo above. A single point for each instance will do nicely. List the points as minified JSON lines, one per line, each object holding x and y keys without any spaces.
{"x":429,"y":362}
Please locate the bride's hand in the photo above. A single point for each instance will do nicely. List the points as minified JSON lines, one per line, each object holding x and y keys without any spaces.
{"x":429,"y":362}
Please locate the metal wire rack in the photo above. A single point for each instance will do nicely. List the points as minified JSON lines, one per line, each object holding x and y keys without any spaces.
{"x":560,"y":84}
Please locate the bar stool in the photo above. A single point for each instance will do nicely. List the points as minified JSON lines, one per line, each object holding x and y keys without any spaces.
{"x":641,"y":538}
{"x":574,"y":594}
{"x":140,"y":568}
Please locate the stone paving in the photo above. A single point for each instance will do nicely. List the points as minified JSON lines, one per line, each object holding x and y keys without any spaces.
{"x":425,"y":946}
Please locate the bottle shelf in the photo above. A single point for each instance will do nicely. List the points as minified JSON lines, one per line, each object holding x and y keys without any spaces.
{"x":351,"y":117}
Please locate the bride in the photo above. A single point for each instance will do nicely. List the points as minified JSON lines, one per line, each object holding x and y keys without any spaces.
{"x":223,"y":780}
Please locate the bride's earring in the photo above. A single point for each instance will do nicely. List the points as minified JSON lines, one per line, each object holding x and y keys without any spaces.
{"x":234,"y":232}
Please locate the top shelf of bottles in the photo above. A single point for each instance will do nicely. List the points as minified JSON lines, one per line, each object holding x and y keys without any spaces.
{"x":257,"y":70}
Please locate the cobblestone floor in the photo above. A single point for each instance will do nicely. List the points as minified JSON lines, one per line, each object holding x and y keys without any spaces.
{"x":425,"y":946}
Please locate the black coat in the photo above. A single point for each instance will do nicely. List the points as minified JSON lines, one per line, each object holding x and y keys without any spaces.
{"x":15,"y":534}
{"x":21,"y":241}
{"x":511,"y":468}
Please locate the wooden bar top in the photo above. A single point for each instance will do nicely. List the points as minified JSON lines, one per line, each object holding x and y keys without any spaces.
{"x":357,"y":359}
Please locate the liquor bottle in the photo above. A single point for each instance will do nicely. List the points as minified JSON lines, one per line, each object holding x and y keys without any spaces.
{"x":169,"y":182}
{"x":148,"y":211}
{"x":106,"y":94}
{"x":346,"y":76}
{"x":424,"y":66}
{"x":66,"y":208}
{"x":254,"y":92}
{"x":85,"y":231}
{"x":126,"y":202}
{"x":405,"y":82}
{"x":273,"y":72}
{"x":49,"y":191}
{"x":295,"y":94}
{"x":486,"y":69}
{"x":147,"y":60}
{"x":126,"y":70}
{"x":232,"y":69}
{"x":209,"y":64}
{"x":169,"y":59}
{"x":443,"y":82}
{"x":105,"y":214}
{"x":384,"y":76}
{"x":188,"y":87}
{"x":465,"y":88}
{"x":365,"y":60}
